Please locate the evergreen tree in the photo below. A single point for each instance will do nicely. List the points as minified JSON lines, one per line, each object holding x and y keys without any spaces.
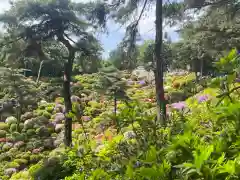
{"x":38,"y":21}
{"x":110,"y":83}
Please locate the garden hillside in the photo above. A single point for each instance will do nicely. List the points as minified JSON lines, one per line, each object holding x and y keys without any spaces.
{"x":160,"y":108}
{"x":116,"y":135}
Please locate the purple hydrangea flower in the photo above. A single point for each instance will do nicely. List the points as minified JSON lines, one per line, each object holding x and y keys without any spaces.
{"x":142,"y":82}
{"x":237,"y":80}
{"x":86,"y":118}
{"x":59,"y":117}
{"x":203,"y":98}
{"x":179,"y":105}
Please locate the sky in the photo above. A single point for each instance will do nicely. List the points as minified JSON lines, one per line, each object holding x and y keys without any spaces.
{"x":115,"y":35}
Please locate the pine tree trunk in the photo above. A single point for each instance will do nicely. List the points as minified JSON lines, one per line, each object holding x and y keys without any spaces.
{"x":66,"y":91}
{"x":68,"y":104}
{"x":161,"y":104}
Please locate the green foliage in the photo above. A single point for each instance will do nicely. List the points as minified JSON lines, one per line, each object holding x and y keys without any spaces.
{"x":3,"y":134}
{"x":110,"y":82}
{"x":3,"y":126}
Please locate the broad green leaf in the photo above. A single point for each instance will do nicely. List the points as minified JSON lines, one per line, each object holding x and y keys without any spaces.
{"x":129,"y":171}
{"x":151,"y":154}
{"x":231,"y":78}
{"x":148,"y":172}
{"x":232,"y":54}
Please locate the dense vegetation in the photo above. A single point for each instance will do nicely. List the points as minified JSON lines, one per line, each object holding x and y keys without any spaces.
{"x":68,"y":114}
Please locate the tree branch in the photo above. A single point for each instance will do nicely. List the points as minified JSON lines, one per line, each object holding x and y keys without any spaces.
{"x":216,"y":3}
{"x":229,"y":92}
{"x":69,"y":38}
{"x":142,"y":11}
{"x":10,"y":42}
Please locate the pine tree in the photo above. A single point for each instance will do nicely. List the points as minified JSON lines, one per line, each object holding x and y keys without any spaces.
{"x":38,"y":22}
{"x":111,"y":84}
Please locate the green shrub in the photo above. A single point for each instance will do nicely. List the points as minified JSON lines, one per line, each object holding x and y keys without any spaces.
{"x":29,"y":146}
{"x":3,"y":126}
{"x":13,"y":127}
{"x":3,"y":134}
{"x":7,"y":146}
{"x":25,"y":155}
{"x":21,"y":175}
{"x":176,"y":96}
{"x":13,"y":165}
{"x":31,"y":132}
{"x":13,"y":151}
{"x":43,"y":132}
{"x":11,"y":120}
{"x":28,"y":124}
{"x":40,"y":112}
{"x":86,"y":91}
{"x":34,"y":158}
{"x":21,"y":126}
{"x":47,"y":115}
{"x":27,"y":115}
{"x":18,"y":137}
{"x":50,"y":109}
{"x":37,"y":144}
{"x":34,"y":170}
{"x":21,"y":161}
{"x":5,"y":157}
{"x":43,"y":119}
{"x":36,"y":126}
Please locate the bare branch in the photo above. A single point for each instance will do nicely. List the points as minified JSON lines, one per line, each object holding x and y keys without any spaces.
{"x":142,"y":11}
{"x":10,"y":42}
{"x":70,"y":39}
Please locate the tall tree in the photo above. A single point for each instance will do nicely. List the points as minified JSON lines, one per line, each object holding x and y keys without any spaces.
{"x":207,"y":37}
{"x":43,"y":21}
{"x":161,"y":105}
{"x":123,"y":13}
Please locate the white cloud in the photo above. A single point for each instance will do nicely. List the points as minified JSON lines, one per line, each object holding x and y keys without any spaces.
{"x":4,"y":5}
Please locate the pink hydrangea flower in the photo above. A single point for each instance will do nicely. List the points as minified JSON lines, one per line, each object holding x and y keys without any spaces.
{"x":203,"y":98}
{"x":179,"y":105}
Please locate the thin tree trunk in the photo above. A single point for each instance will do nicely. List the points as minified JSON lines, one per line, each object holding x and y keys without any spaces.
{"x":66,"y":91}
{"x":201,"y":68}
{"x":39,"y":71}
{"x":161,"y":104}
{"x":19,"y":104}
{"x":68,"y":104}
{"x":115,"y":113}
{"x":115,"y":108}
{"x":19,"y":113}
